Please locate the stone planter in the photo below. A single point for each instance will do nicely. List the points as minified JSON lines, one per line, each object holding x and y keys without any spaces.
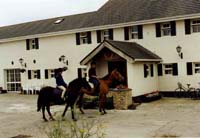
{"x":122,"y":98}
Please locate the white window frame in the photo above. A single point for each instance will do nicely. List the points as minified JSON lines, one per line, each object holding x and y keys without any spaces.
{"x":196,"y":68}
{"x":168,"y":69}
{"x":15,"y":82}
{"x":133,"y":32}
{"x":166,"y":29}
{"x":83,"y":38}
{"x":32,"y":43}
{"x":105,"y":34}
{"x":195,"y":26}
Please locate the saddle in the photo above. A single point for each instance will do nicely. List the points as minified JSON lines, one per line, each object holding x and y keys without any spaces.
{"x":58,"y":92}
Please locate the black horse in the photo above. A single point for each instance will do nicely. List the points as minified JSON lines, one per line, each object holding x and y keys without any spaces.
{"x":49,"y":96}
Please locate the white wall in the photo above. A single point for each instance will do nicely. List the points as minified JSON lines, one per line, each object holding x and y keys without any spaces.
{"x":138,"y":83}
{"x":51,"y":48}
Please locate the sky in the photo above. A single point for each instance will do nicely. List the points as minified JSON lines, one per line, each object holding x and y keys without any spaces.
{"x":19,"y":11}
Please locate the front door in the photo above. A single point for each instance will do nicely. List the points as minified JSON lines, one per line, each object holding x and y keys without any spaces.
{"x":13,"y":80}
{"x":121,"y":66}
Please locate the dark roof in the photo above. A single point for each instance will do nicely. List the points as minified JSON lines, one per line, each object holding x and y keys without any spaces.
{"x":130,"y":49}
{"x":133,"y":50}
{"x":113,"y":12}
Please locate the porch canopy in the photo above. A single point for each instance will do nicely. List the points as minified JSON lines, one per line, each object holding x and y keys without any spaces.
{"x":130,"y":51}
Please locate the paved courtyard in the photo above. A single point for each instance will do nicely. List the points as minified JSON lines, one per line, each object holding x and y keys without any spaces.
{"x":168,"y":117}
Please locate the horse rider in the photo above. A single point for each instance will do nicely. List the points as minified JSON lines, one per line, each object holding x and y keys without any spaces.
{"x":61,"y":84}
{"x":92,"y":76}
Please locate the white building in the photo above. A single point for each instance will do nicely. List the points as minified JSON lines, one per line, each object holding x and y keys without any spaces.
{"x":160,"y":26}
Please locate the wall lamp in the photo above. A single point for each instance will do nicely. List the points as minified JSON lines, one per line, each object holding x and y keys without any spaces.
{"x":179,"y":51}
{"x":23,"y":64}
{"x":63,"y":60}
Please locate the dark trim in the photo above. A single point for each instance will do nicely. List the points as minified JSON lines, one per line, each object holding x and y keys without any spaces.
{"x":89,"y":37}
{"x":27,"y":44}
{"x":145,"y":71}
{"x":38,"y":74}
{"x":126,"y":33}
{"x":46,"y":74}
{"x":80,"y":73}
{"x":110,"y":34}
{"x":140,"y":32}
{"x":173,"y":28}
{"x":158,"y":30}
{"x":160,"y":69}
{"x":187,"y":26}
{"x":29,"y":74}
{"x":36,"y":43}
{"x":189,"y":68}
{"x":98,"y":32}
{"x":152,"y":70}
{"x":175,"y":69}
{"x":78,"y":39}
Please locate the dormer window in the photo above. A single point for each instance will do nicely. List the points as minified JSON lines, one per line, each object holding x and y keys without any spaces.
{"x":58,"y":21}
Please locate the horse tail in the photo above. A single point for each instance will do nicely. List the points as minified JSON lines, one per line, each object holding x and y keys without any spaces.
{"x":39,"y":101}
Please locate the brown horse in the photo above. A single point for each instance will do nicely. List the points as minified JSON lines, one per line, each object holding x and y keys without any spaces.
{"x":105,"y":83}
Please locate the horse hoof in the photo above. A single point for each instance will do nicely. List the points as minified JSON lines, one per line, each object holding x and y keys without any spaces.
{"x":45,"y":120}
{"x":105,"y":112}
{"x":52,"y":119}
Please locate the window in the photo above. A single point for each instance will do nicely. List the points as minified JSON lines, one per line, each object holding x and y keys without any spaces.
{"x":148,"y":70}
{"x":49,"y":73}
{"x":83,"y":38}
{"x":171,"y":69}
{"x":104,"y":35}
{"x":32,"y":44}
{"x":134,"y":32}
{"x":33,"y":74}
{"x":197,"y":68}
{"x":13,"y":80}
{"x":166,"y":29}
{"x":195,"y":26}
{"x":168,"y":69}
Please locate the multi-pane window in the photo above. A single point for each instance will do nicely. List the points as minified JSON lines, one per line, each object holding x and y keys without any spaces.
{"x":33,"y":74}
{"x":13,"y":80}
{"x":195,"y":26}
{"x":83,"y":38}
{"x":49,"y":73}
{"x":168,"y":69}
{"x":32,"y":44}
{"x":197,"y":68}
{"x":165,"y":29}
{"x":148,"y":70}
{"x":134,"y":32}
{"x":105,"y":34}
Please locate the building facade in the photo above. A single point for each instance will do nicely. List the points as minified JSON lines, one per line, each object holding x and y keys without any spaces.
{"x":161,"y":30}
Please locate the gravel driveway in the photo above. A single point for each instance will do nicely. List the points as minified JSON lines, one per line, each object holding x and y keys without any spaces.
{"x":168,"y":117}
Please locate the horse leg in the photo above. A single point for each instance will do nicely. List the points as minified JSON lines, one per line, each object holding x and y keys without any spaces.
{"x":43,"y":113}
{"x":72,"y":110}
{"x":100,"y":104}
{"x":80,"y":103}
{"x":66,"y":107}
{"x":104,"y":102}
{"x":49,"y":112}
